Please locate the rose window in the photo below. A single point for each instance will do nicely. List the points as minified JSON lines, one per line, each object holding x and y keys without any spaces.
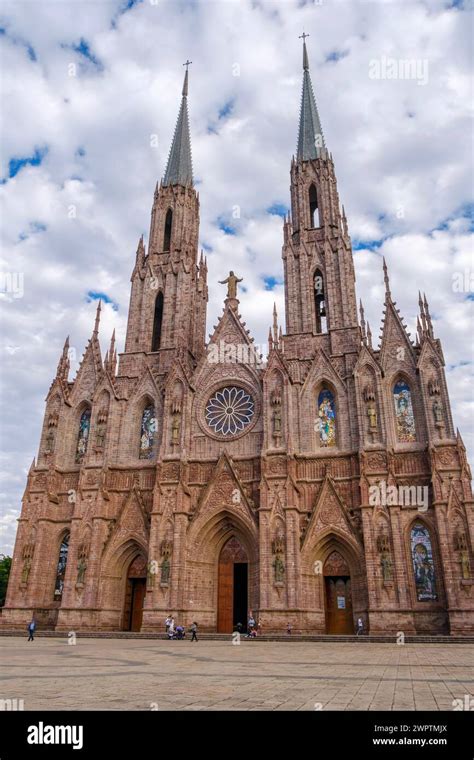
{"x":229,"y":411}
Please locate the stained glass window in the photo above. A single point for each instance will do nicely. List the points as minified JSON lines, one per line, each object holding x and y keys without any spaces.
{"x":327,"y":418}
{"x":423,"y":565}
{"x":147,"y":432}
{"x":404,"y":417}
{"x":83,"y":436}
{"x":230,"y":410}
{"x":61,"y":568}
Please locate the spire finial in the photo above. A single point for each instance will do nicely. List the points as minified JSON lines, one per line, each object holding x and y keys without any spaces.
{"x":428,"y":316}
{"x":305,"y":52}
{"x":185,"y":83}
{"x":369,"y":336}
{"x":275,"y":324}
{"x":97,"y":318}
{"x":362,"y":322}
{"x":386,"y":279}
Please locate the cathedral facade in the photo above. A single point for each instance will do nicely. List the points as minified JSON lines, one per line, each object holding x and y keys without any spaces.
{"x":321,"y":483}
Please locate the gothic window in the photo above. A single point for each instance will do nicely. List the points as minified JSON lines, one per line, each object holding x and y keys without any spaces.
{"x":319,"y":302}
{"x":61,"y":568}
{"x":423,"y":565}
{"x":327,"y":418}
{"x":404,"y":417}
{"x":313,"y":207}
{"x":83,"y":435}
{"x":168,"y":225}
{"x":229,"y":411}
{"x":157,"y":322}
{"x":147,"y":432}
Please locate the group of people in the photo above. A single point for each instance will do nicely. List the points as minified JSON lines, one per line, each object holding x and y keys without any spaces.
{"x":174,"y":631}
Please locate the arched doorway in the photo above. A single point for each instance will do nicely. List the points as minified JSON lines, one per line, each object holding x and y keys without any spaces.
{"x":338,"y":595}
{"x":232,"y":601}
{"x":135,"y":594}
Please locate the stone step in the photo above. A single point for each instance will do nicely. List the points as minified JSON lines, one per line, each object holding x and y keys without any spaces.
{"x":421,"y":639}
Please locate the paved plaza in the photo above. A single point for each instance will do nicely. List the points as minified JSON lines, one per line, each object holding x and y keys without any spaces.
{"x":115,"y":674}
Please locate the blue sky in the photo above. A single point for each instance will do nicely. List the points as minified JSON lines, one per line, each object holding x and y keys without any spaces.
{"x":90,"y":97}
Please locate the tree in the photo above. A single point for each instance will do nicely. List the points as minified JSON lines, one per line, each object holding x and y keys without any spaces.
{"x":5,"y":566}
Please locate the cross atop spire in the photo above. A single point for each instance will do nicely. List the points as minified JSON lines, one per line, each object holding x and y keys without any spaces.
{"x":310,"y":136}
{"x":179,"y":169}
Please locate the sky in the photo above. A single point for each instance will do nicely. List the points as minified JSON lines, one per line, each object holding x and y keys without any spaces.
{"x":90,"y":93}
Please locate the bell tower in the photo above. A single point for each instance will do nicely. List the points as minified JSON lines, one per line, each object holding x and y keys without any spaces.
{"x":169,"y":287}
{"x":320,"y":295}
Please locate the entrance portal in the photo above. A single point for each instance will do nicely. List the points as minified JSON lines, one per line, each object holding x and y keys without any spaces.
{"x":337,"y":582}
{"x":135,"y":595}
{"x":232,"y":603}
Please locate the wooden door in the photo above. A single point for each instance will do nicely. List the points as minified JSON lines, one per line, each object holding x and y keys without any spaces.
{"x":225,"y":601}
{"x":138,"y":597}
{"x":339,"y":605}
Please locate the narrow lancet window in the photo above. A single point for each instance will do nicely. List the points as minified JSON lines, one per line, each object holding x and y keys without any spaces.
{"x":319,"y":302}
{"x":168,"y":226}
{"x":157,"y":322}
{"x":313,"y":207}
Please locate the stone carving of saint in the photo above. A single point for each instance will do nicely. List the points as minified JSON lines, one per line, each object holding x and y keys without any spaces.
{"x":165,"y":570}
{"x":277,"y":420}
{"x":279,"y":569}
{"x":231,"y":282}
{"x":387,"y":567}
{"x":26,"y":570}
{"x":465,"y":566}
{"x":175,"y":426}
{"x":100,"y":436}
{"x":81,"y":570}
{"x":372,"y":415}
{"x":50,"y":441}
{"x":437,"y":411}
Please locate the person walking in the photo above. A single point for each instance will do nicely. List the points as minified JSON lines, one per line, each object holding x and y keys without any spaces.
{"x":194,"y":628}
{"x":288,"y":629}
{"x":167,"y":623}
{"x":360,"y":626}
{"x":171,"y":628}
{"x":31,"y":630}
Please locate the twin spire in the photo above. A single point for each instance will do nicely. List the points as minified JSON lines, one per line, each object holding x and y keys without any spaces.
{"x":310,"y":136}
{"x":179,"y":169}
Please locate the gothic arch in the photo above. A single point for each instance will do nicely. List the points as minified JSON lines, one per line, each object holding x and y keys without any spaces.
{"x":430,"y":527}
{"x":82,"y":418}
{"x":320,"y":301}
{"x":403,"y":397}
{"x":326,"y":416}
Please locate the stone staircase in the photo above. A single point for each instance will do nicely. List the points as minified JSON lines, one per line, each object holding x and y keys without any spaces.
{"x":275,"y":637}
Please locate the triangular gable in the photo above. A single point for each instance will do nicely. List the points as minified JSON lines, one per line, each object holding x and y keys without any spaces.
{"x":231,"y":490}
{"x":329,"y":512}
{"x":322,"y":369}
{"x":394,"y":336}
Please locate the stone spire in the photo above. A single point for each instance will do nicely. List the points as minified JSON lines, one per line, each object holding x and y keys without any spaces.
{"x":310,"y":135}
{"x":62,"y":371}
{"x":97,"y":318}
{"x":179,"y":170}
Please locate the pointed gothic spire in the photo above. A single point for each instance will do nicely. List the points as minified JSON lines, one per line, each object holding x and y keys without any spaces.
{"x":97,"y":318}
{"x":310,"y":136}
{"x":362,"y":323}
{"x":179,"y":170}
{"x":110,"y":361}
{"x":369,"y":336}
{"x":388,"y":294}
{"x":428,"y":316}
{"x":275,"y":324}
{"x":62,"y":371}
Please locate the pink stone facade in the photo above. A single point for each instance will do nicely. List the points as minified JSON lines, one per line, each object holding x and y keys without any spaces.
{"x":272,"y":485}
